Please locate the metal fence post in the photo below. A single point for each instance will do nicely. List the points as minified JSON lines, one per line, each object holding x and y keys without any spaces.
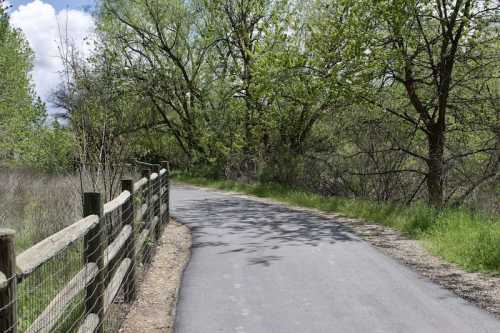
{"x":128,"y":217}
{"x":94,"y":253}
{"x":8,"y":304}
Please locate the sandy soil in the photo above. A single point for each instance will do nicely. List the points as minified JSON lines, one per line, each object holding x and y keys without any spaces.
{"x":154,"y":308}
{"x":478,"y":288}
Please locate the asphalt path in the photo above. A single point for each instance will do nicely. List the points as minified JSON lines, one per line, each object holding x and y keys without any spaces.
{"x":264,"y":268}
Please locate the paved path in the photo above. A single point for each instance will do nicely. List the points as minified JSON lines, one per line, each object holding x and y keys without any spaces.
{"x":260,"y":268}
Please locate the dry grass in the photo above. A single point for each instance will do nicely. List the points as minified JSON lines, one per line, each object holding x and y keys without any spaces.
{"x":37,"y":205}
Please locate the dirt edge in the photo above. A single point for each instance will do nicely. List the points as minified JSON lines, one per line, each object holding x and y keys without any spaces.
{"x":173,"y":310}
{"x":154,"y":309}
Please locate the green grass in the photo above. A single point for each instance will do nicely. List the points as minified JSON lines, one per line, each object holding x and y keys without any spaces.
{"x":35,"y":292}
{"x":470,"y":240}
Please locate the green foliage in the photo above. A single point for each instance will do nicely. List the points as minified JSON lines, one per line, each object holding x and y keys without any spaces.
{"x":470,"y":240}
{"x":50,"y":150}
{"x":375,"y":100}
{"x":20,"y":110}
{"x":25,"y":138}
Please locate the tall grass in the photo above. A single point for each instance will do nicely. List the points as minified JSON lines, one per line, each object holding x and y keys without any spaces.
{"x":468,"y":239}
{"x":37,"y":205}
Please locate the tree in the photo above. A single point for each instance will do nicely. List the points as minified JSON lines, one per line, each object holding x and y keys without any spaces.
{"x":101,"y":110}
{"x":164,"y":53}
{"x":21,"y":111}
{"x":363,"y":98}
{"x":437,"y":49}
{"x":434,"y":52}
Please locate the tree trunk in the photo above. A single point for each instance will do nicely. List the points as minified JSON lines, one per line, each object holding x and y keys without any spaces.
{"x":435,"y":164}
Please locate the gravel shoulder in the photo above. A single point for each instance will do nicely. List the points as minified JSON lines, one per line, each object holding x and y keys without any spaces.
{"x":154,"y":309}
{"x":480,"y":289}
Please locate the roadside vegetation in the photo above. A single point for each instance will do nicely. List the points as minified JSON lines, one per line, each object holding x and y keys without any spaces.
{"x":467,"y":238}
{"x":384,"y":111}
{"x":36,"y":204}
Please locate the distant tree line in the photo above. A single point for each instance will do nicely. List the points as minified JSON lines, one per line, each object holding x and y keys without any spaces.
{"x":26,"y":136}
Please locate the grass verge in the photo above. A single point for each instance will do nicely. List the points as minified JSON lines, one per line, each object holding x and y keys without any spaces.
{"x":470,"y":240}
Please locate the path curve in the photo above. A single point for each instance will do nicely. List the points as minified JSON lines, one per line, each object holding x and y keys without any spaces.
{"x":264,"y":268}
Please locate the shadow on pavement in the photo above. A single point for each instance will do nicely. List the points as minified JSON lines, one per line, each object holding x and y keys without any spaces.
{"x":247,"y":226}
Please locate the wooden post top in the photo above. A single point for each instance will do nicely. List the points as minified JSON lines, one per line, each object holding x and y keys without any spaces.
{"x":127,"y":185}
{"x":92,"y":204}
{"x":7,"y":233}
{"x":165,"y":164}
{"x":146,"y":173}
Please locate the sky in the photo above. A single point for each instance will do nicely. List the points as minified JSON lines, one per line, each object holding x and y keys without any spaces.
{"x":42,"y":22}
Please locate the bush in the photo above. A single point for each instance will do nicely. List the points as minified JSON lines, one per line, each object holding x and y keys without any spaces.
{"x":50,"y":149}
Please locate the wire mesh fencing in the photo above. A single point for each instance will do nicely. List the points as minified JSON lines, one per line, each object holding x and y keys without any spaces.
{"x":84,"y":277}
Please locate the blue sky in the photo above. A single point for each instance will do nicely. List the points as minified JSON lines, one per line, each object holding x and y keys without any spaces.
{"x":44,"y":22}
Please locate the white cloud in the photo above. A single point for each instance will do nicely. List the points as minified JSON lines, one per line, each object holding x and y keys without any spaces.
{"x":44,"y":27}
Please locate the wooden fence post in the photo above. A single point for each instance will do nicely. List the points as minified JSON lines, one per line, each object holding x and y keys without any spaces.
{"x":147,"y":215}
{"x":166,"y":180}
{"x":147,"y":196}
{"x":8,"y":304}
{"x":162,"y":196}
{"x":157,"y":205}
{"x":94,"y":253}
{"x":128,"y":217}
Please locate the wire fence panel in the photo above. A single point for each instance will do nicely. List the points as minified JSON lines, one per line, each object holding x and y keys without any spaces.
{"x":88,"y":283}
{"x":49,"y":295}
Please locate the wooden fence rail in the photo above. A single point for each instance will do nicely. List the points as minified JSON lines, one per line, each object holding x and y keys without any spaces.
{"x":111,"y":251}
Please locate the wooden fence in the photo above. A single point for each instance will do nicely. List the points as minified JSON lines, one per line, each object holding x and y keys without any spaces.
{"x":114,"y":240}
